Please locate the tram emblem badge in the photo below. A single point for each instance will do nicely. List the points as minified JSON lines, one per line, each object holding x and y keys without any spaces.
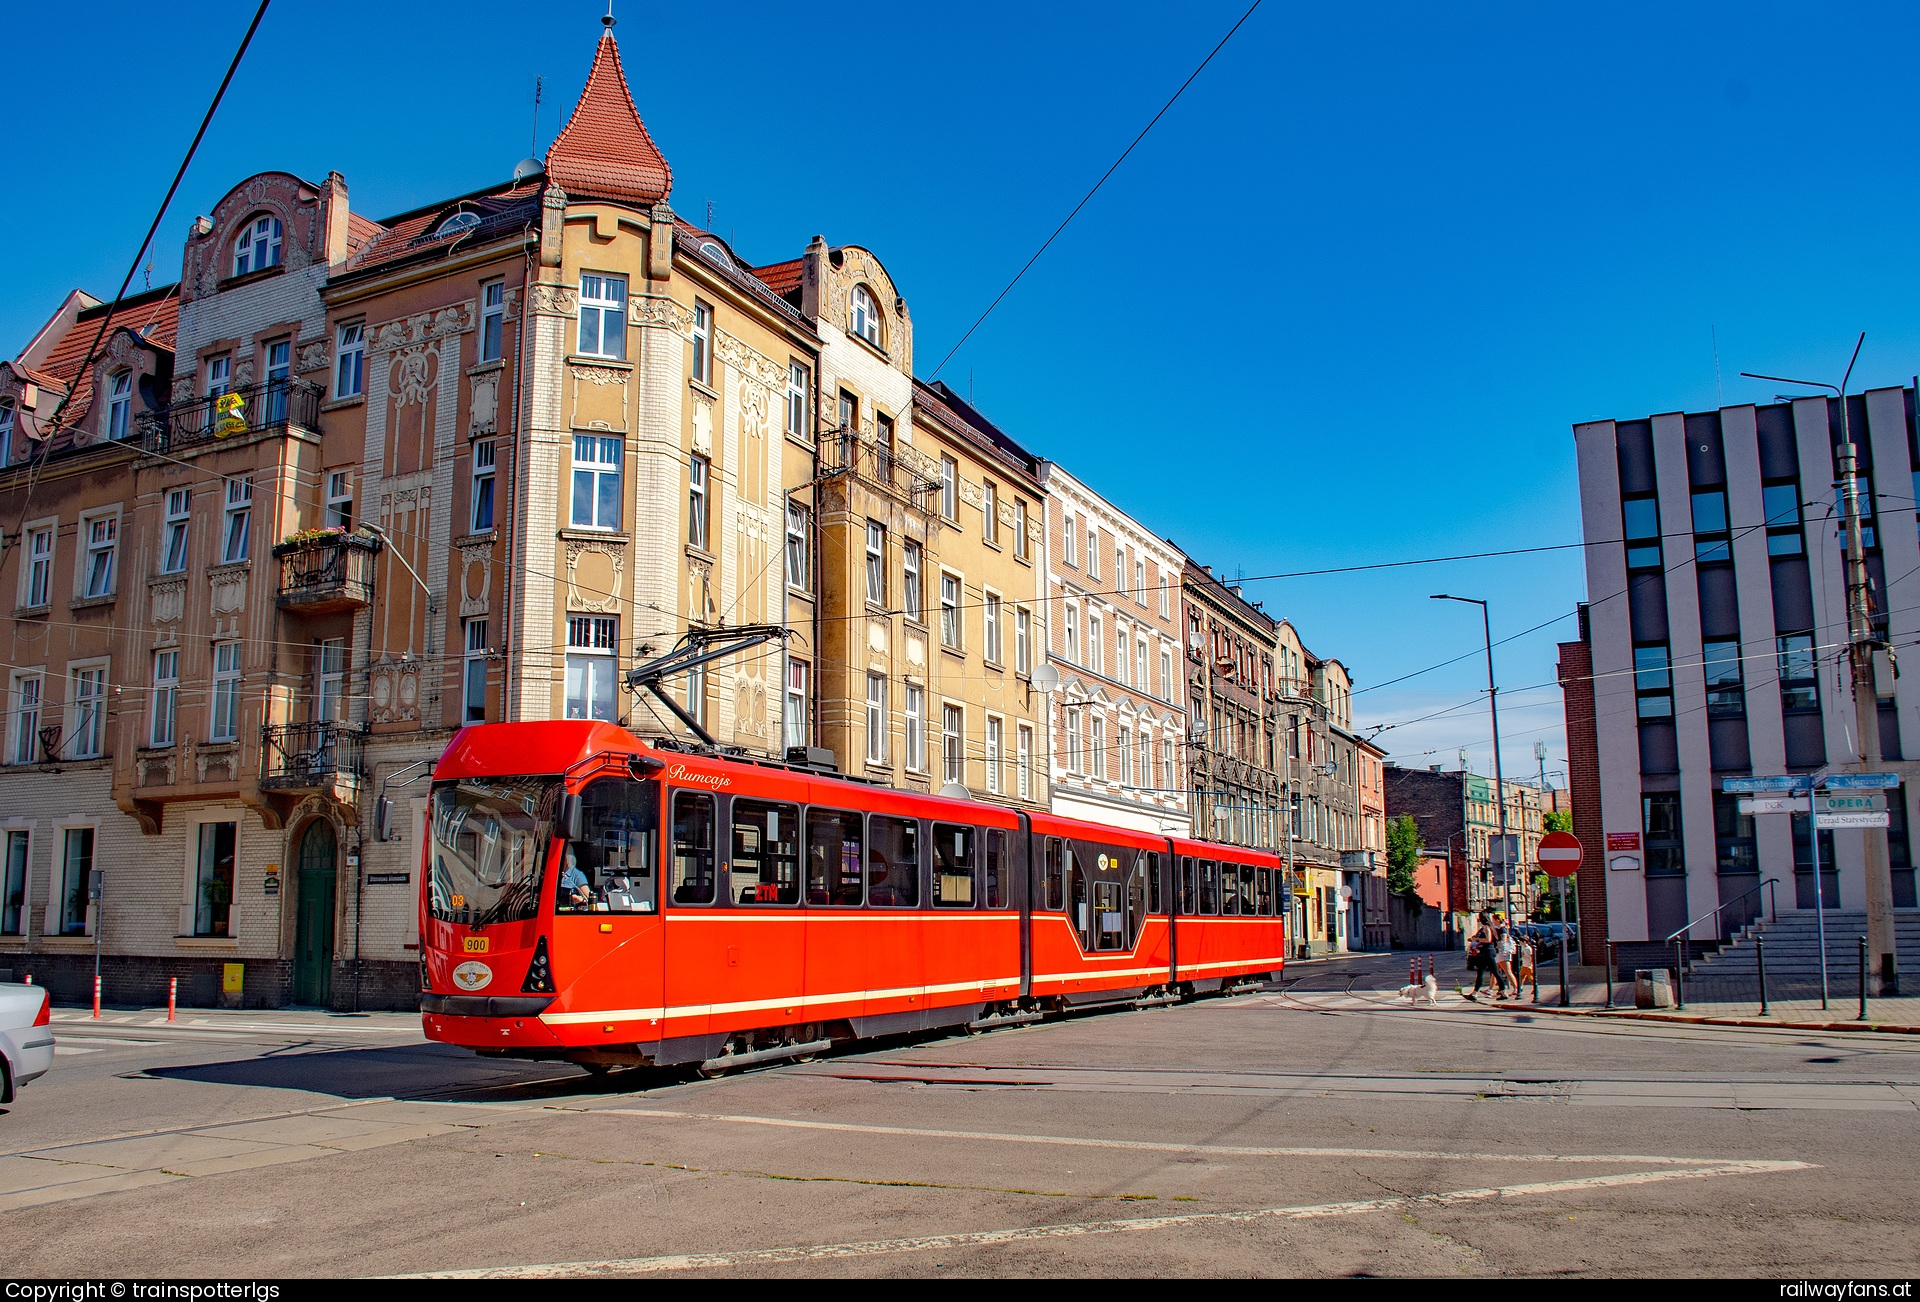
{"x":472,"y":976}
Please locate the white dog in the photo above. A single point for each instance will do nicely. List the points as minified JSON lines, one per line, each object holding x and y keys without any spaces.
{"x":1428,"y":989}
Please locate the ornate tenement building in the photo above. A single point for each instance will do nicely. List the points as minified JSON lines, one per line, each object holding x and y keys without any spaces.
{"x":1119,"y":717}
{"x":1233,"y":758}
{"x":348,"y":486}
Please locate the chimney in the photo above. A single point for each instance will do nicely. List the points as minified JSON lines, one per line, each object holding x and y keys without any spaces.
{"x":813,"y":277}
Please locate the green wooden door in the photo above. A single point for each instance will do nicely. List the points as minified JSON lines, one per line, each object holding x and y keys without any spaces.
{"x":313,"y":917}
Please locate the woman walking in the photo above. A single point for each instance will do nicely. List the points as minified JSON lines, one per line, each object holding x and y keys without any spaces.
{"x":1479,"y":953}
{"x":1504,"y":948}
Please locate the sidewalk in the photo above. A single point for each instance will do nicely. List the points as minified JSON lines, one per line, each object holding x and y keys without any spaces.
{"x":242,"y":1019}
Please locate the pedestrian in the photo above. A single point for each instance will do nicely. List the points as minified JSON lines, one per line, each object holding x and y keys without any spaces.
{"x":1503,"y":951}
{"x":1524,"y":952}
{"x":1479,"y":953}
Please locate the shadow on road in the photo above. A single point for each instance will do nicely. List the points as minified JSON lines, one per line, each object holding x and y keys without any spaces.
{"x":421,"y":1073}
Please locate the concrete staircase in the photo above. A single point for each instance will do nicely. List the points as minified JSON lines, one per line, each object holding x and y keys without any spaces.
{"x":1793,"y":953}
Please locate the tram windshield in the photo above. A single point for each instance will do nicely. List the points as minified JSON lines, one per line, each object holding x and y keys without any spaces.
{"x":489,"y":844}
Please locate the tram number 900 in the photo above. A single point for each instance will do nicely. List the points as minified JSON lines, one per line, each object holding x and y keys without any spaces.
{"x":474,"y":945}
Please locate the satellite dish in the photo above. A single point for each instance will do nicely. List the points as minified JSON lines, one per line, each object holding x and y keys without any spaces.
{"x":527,"y":167}
{"x":955,"y":791}
{"x":1046,"y":678}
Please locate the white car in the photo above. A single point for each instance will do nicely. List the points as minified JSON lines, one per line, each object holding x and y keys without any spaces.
{"x":26,"y":1036}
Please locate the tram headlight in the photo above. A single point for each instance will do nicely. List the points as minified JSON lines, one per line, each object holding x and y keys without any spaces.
{"x":540,"y":972}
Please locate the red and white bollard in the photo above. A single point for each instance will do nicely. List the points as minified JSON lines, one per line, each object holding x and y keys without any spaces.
{"x":29,"y":978}
{"x":1429,"y":965}
{"x":96,"y":999}
{"x":173,"y":995}
{"x":1413,"y":970}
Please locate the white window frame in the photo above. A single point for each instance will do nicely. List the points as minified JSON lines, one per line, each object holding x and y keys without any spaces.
{"x":1122,"y":661}
{"x":1143,"y":760}
{"x":1023,"y":763}
{"x":699,"y":502}
{"x":1142,"y":682}
{"x":236,"y":521}
{"x":799,"y":387}
{"x":174,"y":536}
{"x":1022,"y":640}
{"x":223,"y":701}
{"x":119,"y":405}
{"x":799,"y":559}
{"x":493,"y":320}
{"x":7,"y":412}
{"x":1168,"y":777}
{"x":1093,"y":550}
{"x":949,"y":489}
{"x":915,"y":713}
{"x":989,"y":512}
{"x":863,"y":315}
{"x":36,"y":576}
{"x":1020,"y":528}
{"x":100,"y":548}
{"x":953,"y":743}
{"x":996,"y":744}
{"x":163,"y":706}
{"x":86,"y":724}
{"x":1068,"y":544}
{"x":605,"y":297}
{"x":990,"y":642}
{"x":1140,"y":581}
{"x":258,"y":246}
{"x":350,"y":360}
{"x":1097,"y":743}
{"x":952,"y":590}
{"x":702,"y":343}
{"x":339,"y":507}
{"x":590,"y":459}
{"x":27,"y":831}
{"x":696,"y":694}
{"x":486,"y":456}
{"x":1166,"y":672}
{"x":330,"y":680}
{"x":794,"y":716}
{"x":1070,"y":632}
{"x":219,"y":374}
{"x":1166,"y":597}
{"x":876,"y":563}
{"x":1096,"y":644}
{"x":1076,"y":740}
{"x":876,"y":718}
{"x":593,"y":663}
{"x":912,"y":571}
{"x":1123,"y":754}
{"x":473,"y":673}
{"x":26,"y":707}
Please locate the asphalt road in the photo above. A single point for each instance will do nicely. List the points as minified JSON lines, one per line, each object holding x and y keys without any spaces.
{"x":1326,"y":1128}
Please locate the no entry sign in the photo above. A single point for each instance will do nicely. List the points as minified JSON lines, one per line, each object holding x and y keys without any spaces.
{"x":1559,"y":854}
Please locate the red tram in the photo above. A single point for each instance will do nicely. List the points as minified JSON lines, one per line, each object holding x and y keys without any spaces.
{"x":589,"y":897}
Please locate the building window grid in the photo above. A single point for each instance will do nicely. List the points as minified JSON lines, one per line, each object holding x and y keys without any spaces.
{"x":950,"y":611}
{"x":1023,"y":768}
{"x":1022,"y":640}
{"x":27,"y":693}
{"x":876,"y":719}
{"x":996,"y":731}
{"x":166,"y":698}
{"x":592,"y":658}
{"x":949,"y":489}
{"x":485,"y":459}
{"x":258,"y":246}
{"x":953,"y":743}
{"x":698,"y":504}
{"x":795,"y":714}
{"x":239,"y":520}
{"x":102,"y":534}
{"x":1653,"y":681}
{"x":119,"y":404}
{"x":474,"y":673}
{"x":876,"y":563}
{"x":990,"y":647}
{"x":493,"y":319}
{"x":799,"y":388}
{"x":915,"y":711}
{"x":225,"y":724}
{"x":1640,"y":517}
{"x":603,"y":316}
{"x":702,"y":342}
{"x":1726,"y":698}
{"x":596,"y":482}
{"x":350,"y":360}
{"x":989,"y":512}
{"x":1019,"y":526}
{"x":799,"y":553}
{"x":1781,"y":503}
{"x":912,"y":566}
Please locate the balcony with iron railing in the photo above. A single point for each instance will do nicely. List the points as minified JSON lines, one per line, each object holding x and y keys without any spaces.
{"x":273,"y":406}
{"x":880,"y":465}
{"x":310,"y":756}
{"x":326,"y":570}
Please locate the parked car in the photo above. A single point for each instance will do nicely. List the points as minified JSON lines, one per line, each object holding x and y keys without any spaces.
{"x":1547,"y":937}
{"x":26,"y":1036}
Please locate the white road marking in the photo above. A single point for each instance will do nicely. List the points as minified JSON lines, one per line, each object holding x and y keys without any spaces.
{"x":1143,"y":1145}
{"x":761,"y":1257}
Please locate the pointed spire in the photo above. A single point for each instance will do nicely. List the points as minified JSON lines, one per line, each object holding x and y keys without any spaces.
{"x":605,"y":152}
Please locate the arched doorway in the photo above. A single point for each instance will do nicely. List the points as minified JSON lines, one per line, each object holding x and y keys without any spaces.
{"x":313,"y":915}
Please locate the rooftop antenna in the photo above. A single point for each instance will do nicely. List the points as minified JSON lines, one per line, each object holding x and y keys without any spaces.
{"x":149,"y":272}
{"x":709,"y":203}
{"x":539,"y":84}
{"x":1719,"y":394}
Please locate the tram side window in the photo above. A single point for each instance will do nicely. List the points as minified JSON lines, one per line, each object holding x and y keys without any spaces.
{"x":692,"y":848}
{"x":893,"y":861}
{"x":1145,"y":866}
{"x":1263,"y":882}
{"x":1189,"y":886}
{"x":1077,"y":894}
{"x":1153,"y":882}
{"x":995,"y":863}
{"x":610,"y":869}
{"x":1230,"y":890}
{"x":833,"y":856}
{"x":766,"y":853}
{"x":1209,"y":887}
{"x":953,"y":866}
{"x":1051,"y":868}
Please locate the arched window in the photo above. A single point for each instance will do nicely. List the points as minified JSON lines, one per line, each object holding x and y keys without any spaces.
{"x":258,"y":246}
{"x":457,"y":222}
{"x":864,"y":315}
{"x":6,"y":433}
{"x":119,"y":404}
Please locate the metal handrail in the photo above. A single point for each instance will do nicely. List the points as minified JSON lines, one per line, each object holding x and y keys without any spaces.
{"x":1773,"y":909}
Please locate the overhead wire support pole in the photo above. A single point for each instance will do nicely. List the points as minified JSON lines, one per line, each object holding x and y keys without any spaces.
{"x":700,"y":646}
{"x":1493,"y":709}
{"x":1862,"y":644}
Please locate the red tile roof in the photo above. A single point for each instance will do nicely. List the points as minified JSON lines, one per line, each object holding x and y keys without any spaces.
{"x":781,"y":277}
{"x":153,"y":316}
{"x":510,"y":206}
{"x":604,"y":152}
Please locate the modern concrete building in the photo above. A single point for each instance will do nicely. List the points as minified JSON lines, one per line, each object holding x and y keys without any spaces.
{"x":1713,"y":645}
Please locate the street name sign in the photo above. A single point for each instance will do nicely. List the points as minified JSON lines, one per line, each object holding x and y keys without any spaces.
{"x":1788,"y":803}
{"x":1559,"y":854}
{"x":1860,"y":781}
{"x":1782,"y":782}
{"x":1851,"y":820}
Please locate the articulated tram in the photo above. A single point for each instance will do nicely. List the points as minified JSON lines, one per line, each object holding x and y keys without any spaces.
{"x":592,"y":898}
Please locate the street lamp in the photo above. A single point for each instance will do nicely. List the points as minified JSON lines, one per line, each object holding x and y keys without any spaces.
{"x":1493,"y":708}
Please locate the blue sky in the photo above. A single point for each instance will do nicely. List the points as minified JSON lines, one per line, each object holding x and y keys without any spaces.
{"x":1340,"y":307}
